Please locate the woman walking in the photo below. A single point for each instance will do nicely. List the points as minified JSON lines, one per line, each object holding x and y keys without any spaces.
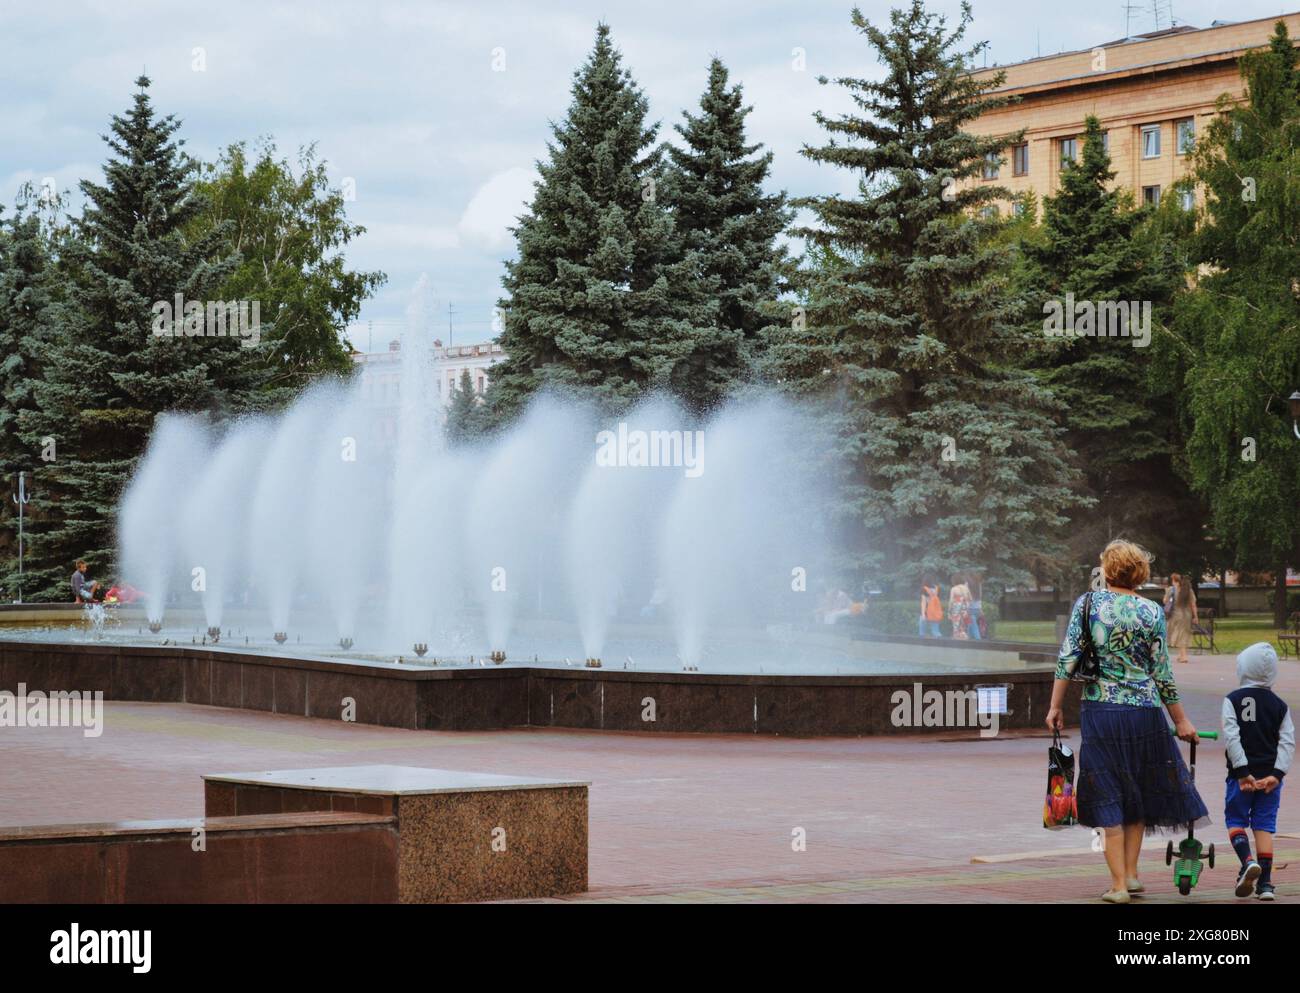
{"x":1181,"y":610}
{"x":1132,"y":778}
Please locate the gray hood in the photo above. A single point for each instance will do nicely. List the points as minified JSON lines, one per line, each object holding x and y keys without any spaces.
{"x":1257,"y":665}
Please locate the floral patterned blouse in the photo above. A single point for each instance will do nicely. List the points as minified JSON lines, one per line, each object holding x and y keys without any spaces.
{"x":1129,"y":632}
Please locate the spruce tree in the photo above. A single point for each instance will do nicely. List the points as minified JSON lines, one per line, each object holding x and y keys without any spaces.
{"x":598,"y":300}
{"x":909,"y":334}
{"x":1119,"y":408}
{"x":463,"y":412}
{"x":724,"y":218}
{"x":107,"y":374}
{"x":27,"y":297}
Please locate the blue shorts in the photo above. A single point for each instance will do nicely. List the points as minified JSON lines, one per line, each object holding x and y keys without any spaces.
{"x":1256,"y":810}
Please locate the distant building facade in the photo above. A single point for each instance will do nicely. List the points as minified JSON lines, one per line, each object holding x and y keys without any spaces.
{"x":1153,"y":95}
{"x":379,"y":376}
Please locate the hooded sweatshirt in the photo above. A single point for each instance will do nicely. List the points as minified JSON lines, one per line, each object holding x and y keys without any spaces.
{"x":1258,"y":734}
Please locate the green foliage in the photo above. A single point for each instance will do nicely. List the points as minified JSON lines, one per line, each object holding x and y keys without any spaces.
{"x":1240,"y":325}
{"x":466,"y":414}
{"x":729,"y":225}
{"x":1118,"y":407}
{"x":898,"y":617}
{"x":601,"y":298}
{"x":30,"y":289}
{"x":289,"y":229}
{"x":106,"y":374}
{"x":913,"y":337}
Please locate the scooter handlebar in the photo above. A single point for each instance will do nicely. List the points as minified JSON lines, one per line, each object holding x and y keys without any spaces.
{"x":1213,"y":735}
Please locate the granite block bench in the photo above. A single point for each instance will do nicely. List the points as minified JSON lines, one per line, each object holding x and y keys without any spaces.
{"x":319,"y":857}
{"x":461,"y":836}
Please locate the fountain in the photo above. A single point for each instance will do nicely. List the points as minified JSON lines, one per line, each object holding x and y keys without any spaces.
{"x":354,"y":524}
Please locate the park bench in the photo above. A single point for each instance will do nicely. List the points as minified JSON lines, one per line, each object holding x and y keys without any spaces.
{"x":461,"y":836}
{"x":1203,"y":630}
{"x":1289,"y":641}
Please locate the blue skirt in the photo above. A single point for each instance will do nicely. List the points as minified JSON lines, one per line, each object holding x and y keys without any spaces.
{"x":1131,"y":770}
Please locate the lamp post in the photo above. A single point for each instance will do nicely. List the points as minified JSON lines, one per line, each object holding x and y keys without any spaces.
{"x":1293,"y":401}
{"x":22,"y":499}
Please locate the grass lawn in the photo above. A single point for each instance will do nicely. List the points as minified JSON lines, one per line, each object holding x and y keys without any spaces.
{"x":1230,"y":635}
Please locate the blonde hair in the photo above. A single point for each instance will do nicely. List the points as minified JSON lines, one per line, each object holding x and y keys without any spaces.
{"x":1125,"y":564}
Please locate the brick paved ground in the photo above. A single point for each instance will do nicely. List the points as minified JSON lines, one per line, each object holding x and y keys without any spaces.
{"x":689,"y":818}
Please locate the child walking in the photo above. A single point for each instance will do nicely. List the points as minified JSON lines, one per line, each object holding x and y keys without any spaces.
{"x":1259,"y":742}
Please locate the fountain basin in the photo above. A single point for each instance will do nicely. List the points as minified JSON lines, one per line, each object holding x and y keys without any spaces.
{"x":496,"y":697}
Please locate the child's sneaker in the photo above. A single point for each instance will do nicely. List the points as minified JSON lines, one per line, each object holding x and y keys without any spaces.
{"x":1246,"y":878}
{"x":1264,"y":891}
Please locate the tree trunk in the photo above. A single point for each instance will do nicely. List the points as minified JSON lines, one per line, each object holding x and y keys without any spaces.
{"x":1279,"y":596}
{"x":1223,"y":593}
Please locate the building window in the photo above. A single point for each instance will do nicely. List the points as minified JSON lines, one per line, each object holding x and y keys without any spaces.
{"x":1151,"y":141}
{"x":1186,"y":136}
{"x":1069,"y":151}
{"x":991,"y":163}
{"x":989,"y":212}
{"x":1018,"y":208}
{"x":1020,"y":159}
{"x":481,"y":384}
{"x":1105,"y":142}
{"x":1187,"y":198}
{"x":1151,"y":195}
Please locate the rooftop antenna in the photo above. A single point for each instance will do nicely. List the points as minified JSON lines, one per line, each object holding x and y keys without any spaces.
{"x":1130,"y":9}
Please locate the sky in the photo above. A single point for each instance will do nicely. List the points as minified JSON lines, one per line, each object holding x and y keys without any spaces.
{"x":435,"y":113}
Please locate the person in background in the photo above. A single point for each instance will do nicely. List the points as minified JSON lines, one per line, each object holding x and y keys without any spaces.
{"x":83,"y":590}
{"x":1258,"y":744}
{"x":931,"y":612}
{"x":1181,"y":611}
{"x":835,"y":603}
{"x":959,"y":601}
{"x":976,"y":627}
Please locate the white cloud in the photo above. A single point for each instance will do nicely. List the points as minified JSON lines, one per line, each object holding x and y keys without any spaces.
{"x":495,"y":208}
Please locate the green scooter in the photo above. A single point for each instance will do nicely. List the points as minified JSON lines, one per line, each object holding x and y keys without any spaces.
{"x":1187,"y":867}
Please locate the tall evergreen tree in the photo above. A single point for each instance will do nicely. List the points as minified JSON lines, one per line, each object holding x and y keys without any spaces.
{"x":598,"y":299}
{"x":27,"y":296}
{"x":464,"y":414}
{"x":107,"y":374}
{"x":722,"y":215}
{"x":1241,"y":323}
{"x":1119,"y":408}
{"x":952,"y":455}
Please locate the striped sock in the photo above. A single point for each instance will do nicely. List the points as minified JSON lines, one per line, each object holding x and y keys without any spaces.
{"x":1265,"y":863}
{"x":1240,"y":843}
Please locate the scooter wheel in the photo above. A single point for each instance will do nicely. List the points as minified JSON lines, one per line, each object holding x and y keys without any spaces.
{"x":1184,"y":886}
{"x":1210,"y":857}
{"x":1169,"y":853}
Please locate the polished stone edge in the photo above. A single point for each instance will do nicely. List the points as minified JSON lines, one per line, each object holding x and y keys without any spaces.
{"x":427,"y":674}
{"x":506,"y":783}
{"x":125,"y":830}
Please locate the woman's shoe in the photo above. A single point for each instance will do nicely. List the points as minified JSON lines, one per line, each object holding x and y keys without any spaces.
{"x":1264,"y":891}
{"x":1135,"y":886}
{"x":1115,"y":896}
